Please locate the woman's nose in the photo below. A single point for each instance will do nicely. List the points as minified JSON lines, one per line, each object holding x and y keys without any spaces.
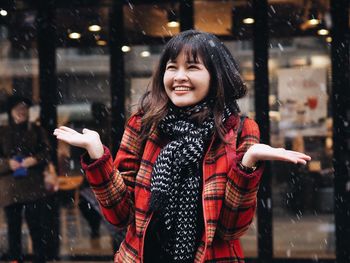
{"x":180,"y":75}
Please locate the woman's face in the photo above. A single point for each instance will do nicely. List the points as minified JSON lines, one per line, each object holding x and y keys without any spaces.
{"x":186,"y":82}
{"x":20,"y":113}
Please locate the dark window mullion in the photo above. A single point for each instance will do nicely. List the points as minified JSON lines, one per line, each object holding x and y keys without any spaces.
{"x":341,"y":130}
{"x":261,"y":90}
{"x":117,"y":84}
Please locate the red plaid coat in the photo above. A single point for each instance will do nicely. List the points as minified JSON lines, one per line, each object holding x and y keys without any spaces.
{"x":122,"y":188}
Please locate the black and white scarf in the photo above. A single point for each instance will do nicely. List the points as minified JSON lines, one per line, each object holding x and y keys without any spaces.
{"x":176,"y":178}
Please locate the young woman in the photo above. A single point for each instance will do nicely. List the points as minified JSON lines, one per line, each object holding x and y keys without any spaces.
{"x":184,"y":180}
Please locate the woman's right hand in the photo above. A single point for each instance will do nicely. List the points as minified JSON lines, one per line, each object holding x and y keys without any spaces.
{"x":89,"y":140}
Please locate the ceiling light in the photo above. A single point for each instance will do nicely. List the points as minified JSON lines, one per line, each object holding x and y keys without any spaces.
{"x":313,"y":21}
{"x":313,"y":17}
{"x":126,"y":48}
{"x":329,"y":39}
{"x":173,"y":20}
{"x":323,"y":32}
{"x":145,"y":54}
{"x":248,"y":20}
{"x":74,"y":35}
{"x":94,"y":28}
{"x":3,"y":12}
{"x":173,"y":24}
{"x":101,"y":42}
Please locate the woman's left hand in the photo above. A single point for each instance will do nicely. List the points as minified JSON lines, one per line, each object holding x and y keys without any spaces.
{"x":264,"y":152}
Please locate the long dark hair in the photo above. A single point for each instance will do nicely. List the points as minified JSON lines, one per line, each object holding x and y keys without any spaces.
{"x":226,"y":85}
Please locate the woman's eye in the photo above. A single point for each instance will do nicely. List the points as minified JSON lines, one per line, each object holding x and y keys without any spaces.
{"x":169,"y":67}
{"x":193,"y":67}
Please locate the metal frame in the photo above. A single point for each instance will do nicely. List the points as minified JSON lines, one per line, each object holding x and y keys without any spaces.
{"x":341,"y":130}
{"x":261,"y":87}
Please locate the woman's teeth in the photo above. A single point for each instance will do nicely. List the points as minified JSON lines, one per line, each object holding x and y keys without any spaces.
{"x":182,"y":89}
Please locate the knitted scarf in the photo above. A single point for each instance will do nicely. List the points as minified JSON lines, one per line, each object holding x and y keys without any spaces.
{"x":176,"y":178}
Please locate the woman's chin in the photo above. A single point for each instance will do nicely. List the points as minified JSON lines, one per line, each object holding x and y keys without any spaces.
{"x":183,"y":103}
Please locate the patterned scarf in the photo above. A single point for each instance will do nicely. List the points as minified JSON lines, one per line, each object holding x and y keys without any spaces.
{"x":176,"y":178}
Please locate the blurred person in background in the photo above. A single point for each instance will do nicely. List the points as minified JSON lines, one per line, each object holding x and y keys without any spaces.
{"x":24,"y":153}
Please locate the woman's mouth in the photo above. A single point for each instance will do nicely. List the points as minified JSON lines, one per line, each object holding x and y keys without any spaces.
{"x":181,"y":88}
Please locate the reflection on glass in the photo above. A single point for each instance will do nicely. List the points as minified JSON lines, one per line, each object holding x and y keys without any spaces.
{"x":162,"y":20}
{"x":302,"y":196}
{"x":299,"y":66}
{"x":84,"y":102}
{"x":83,"y":83}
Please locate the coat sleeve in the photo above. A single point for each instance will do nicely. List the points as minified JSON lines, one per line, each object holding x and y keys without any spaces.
{"x":241,"y":189}
{"x":113,"y":181}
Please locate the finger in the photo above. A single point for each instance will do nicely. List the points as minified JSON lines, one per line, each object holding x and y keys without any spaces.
{"x":65,"y":132}
{"x":287,"y":157}
{"x":299,"y":155}
{"x":60,"y":133}
{"x":61,"y":137}
{"x":64,"y":136}
{"x":67,"y":129}
{"x":301,"y":161}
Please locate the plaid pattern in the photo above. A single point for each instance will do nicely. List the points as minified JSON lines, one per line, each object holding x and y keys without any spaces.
{"x":229,"y":195}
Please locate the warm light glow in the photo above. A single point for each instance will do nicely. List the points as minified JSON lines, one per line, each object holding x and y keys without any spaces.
{"x":3,"y":12}
{"x":94,"y":28}
{"x":329,"y":39}
{"x":145,"y":54}
{"x":101,"y":42}
{"x":173,"y":24}
{"x":248,"y":20}
{"x":74,"y":35}
{"x":313,"y":21}
{"x":126,"y":48}
{"x":323,"y":32}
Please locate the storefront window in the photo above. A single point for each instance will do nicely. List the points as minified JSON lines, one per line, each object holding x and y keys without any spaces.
{"x":214,"y":16}
{"x":18,"y":76}
{"x":299,"y":73}
{"x":84,"y":102}
{"x":18,"y":57}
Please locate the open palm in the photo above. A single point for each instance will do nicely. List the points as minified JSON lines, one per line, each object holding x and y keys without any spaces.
{"x":264,"y":152}
{"x":88,"y":139}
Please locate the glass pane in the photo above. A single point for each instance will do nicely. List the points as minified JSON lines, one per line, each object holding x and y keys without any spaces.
{"x":213,"y":16}
{"x":84,"y":101}
{"x":18,"y":56}
{"x":299,"y":68}
{"x":243,"y":54}
{"x":18,"y":76}
{"x":142,"y":61}
{"x":162,"y":20}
